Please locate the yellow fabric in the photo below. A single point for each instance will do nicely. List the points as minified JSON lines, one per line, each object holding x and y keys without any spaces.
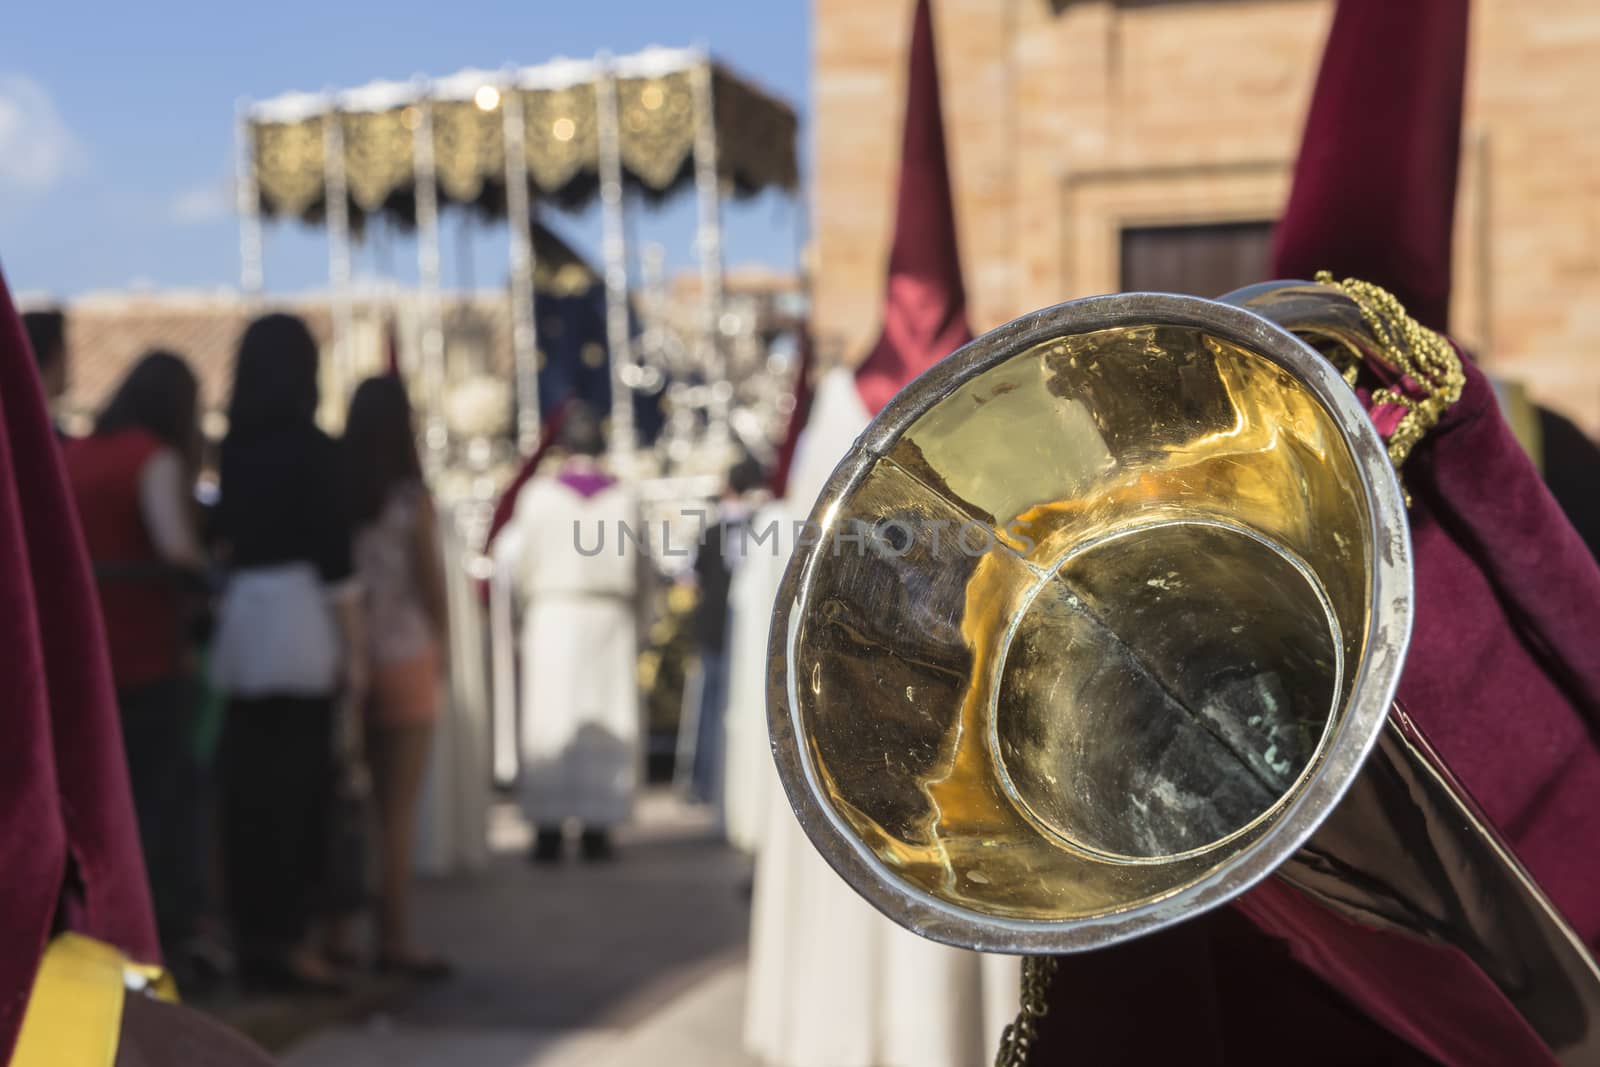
{"x":1523,"y":417}
{"x":74,"y":1015}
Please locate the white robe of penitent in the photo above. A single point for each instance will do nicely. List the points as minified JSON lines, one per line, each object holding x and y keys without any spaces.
{"x":748,"y":774}
{"x":453,"y":813}
{"x":832,"y":982}
{"x":573,"y":562}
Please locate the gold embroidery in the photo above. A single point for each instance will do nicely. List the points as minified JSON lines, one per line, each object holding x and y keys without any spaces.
{"x":563,"y":138}
{"x":288,"y":164}
{"x":655,"y":142}
{"x":756,"y":143}
{"x":1410,"y":350}
{"x":469,"y":149}
{"x":378,"y":156}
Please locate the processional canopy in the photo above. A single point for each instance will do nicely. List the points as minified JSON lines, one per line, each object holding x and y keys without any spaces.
{"x":656,"y":94}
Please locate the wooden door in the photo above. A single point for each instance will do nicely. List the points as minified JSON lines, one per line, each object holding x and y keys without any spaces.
{"x":1203,"y":260}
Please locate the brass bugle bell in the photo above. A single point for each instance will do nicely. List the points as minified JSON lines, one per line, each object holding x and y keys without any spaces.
{"x":1100,"y":623}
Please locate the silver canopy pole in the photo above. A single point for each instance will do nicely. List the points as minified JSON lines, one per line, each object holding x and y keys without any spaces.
{"x":614,"y":253}
{"x":436,"y":432}
{"x":519,"y":217}
{"x":653,"y":294}
{"x":677,"y":436}
{"x":708,"y":246}
{"x":247,"y":196}
{"x":337,"y":207}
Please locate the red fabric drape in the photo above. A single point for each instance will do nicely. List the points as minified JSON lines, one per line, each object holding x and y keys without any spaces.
{"x":67,"y":830}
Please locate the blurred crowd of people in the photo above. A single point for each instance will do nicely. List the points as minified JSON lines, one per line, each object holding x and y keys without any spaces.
{"x":275,"y":606}
{"x":277,"y":652}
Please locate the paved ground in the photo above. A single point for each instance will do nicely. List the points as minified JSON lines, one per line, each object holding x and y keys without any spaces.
{"x":640,"y":961}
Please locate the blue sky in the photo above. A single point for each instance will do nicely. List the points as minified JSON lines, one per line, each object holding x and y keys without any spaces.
{"x":116,"y":124}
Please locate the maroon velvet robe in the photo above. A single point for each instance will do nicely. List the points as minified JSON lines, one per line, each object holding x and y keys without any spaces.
{"x":67,"y":832}
{"x":1503,"y":673}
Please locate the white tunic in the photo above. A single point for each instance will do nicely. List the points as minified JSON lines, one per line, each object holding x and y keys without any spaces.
{"x":453,"y":816}
{"x":832,"y":982}
{"x":748,"y":774}
{"x":574,"y":562}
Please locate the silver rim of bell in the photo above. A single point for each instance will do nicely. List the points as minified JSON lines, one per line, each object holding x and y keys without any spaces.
{"x":1340,"y":753}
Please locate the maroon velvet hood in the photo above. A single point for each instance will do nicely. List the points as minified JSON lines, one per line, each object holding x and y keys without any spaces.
{"x":1374,"y":194}
{"x":68,"y":839}
{"x":925,"y":306}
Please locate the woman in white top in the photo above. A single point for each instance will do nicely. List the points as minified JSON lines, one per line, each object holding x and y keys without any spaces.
{"x":288,"y":621}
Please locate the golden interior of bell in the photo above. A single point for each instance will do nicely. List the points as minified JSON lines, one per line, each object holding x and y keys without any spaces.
{"x":1086,"y":629}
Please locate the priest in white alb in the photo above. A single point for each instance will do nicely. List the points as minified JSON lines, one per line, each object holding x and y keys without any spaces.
{"x":571,"y":556}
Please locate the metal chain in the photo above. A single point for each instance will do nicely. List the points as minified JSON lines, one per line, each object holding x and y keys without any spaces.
{"x":1017,"y":1041}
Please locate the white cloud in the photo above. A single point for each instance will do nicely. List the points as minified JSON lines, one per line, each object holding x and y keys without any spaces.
{"x":202,"y":203}
{"x":37,"y":150}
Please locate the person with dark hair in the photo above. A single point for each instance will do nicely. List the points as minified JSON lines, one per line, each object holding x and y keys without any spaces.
{"x":401,"y":566}
{"x":132,"y":480}
{"x":581,"y":436}
{"x":290,"y":623}
{"x":47,"y":336}
{"x":572,"y":553}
